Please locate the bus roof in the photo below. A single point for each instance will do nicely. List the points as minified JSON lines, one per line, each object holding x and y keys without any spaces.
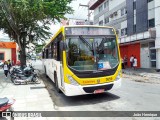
{"x":62,"y":28}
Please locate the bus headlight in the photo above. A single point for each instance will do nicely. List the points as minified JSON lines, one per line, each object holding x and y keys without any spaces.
{"x":119,"y":75}
{"x":72,"y":81}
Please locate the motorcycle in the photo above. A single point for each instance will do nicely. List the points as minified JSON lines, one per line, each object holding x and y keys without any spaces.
{"x":24,"y":76}
{"x":19,"y":70}
{"x":21,"y":79}
{"x":6,"y":105}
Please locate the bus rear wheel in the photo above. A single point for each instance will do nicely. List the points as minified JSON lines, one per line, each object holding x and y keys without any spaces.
{"x":56,"y":84}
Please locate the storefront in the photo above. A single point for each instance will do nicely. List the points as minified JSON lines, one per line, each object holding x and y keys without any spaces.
{"x":8,"y":51}
{"x":144,"y":51}
{"x":131,"y":49}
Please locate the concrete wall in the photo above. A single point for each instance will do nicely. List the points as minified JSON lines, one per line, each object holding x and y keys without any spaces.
{"x":114,"y":3}
{"x":130,"y":16}
{"x":157,"y":25}
{"x":151,"y":10}
{"x":141,"y":16}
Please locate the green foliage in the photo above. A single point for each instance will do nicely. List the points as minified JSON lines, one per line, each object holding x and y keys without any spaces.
{"x":39,"y":47}
{"x":30,"y":18}
{"x":27,"y":21}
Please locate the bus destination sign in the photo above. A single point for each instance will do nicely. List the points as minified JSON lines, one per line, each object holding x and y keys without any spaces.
{"x":89,"y":31}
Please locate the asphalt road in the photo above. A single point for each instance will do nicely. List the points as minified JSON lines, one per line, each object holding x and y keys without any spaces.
{"x":132,"y":96}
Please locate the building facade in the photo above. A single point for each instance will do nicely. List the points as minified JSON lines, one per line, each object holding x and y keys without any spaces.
{"x":138,"y":26}
{"x":8,"y":51}
{"x":75,"y":22}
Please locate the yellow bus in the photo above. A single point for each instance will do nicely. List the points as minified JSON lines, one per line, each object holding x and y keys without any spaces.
{"x":83,"y":60}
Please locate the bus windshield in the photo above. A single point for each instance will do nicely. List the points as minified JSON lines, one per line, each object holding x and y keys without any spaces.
{"x":91,"y":53}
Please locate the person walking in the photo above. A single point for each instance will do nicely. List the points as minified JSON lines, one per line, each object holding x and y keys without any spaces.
{"x":5,"y":68}
{"x":135,"y":63}
{"x":9,"y":66}
{"x":131,"y":61}
{"x":125,"y":61}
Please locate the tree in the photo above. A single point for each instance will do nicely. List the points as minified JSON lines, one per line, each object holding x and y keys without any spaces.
{"x":27,"y":21}
{"x":39,"y":48}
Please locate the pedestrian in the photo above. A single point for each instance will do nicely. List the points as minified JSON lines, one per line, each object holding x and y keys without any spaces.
{"x":9,"y":65}
{"x":135,"y":63}
{"x":131,"y":61}
{"x":125,"y":61}
{"x":5,"y":68}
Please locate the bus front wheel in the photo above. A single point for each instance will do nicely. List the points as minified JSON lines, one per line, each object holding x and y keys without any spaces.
{"x":56,"y":84}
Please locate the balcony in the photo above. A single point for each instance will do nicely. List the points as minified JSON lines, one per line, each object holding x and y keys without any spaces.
{"x":150,"y":34}
{"x":94,"y":4}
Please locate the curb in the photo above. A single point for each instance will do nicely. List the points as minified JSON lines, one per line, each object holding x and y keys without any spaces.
{"x":145,"y":74}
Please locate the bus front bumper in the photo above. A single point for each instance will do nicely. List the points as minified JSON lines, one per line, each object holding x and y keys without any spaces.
{"x":72,"y":90}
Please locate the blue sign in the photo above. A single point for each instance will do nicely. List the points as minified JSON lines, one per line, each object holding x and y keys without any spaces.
{"x":100,"y":65}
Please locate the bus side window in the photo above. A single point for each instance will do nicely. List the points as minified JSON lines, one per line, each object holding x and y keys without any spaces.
{"x":59,"y":52}
{"x":46,"y":53}
{"x":52,"y":49}
{"x":43,"y":54}
{"x":55,"y":51}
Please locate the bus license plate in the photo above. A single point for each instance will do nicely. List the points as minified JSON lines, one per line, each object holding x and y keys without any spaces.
{"x":98,"y":91}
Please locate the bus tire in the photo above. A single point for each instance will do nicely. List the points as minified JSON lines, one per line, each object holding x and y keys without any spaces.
{"x":45,"y":72}
{"x":56,"y":84}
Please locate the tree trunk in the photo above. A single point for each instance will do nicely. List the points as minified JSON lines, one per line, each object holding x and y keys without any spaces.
{"x":23,"y":57}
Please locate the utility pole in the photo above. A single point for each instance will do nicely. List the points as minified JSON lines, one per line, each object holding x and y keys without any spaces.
{"x":88,"y":12}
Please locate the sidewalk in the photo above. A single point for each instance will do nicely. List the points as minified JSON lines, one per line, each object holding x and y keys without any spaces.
{"x":150,"y":73}
{"x":31,"y":97}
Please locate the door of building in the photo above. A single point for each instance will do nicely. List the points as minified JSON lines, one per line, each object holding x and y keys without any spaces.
{"x":145,"y":56}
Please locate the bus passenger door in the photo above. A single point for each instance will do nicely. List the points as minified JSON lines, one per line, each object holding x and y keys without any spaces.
{"x":60,"y":58}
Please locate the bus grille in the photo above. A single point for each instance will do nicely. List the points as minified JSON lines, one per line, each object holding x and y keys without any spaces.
{"x":92,"y":89}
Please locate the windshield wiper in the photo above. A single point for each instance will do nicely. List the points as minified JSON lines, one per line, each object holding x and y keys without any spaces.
{"x":85,"y":41}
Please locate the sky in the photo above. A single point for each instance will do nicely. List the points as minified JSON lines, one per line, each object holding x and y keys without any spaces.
{"x":79,"y":13}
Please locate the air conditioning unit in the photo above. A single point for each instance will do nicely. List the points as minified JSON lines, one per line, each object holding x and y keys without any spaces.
{"x":111,"y":15}
{"x":115,"y":13}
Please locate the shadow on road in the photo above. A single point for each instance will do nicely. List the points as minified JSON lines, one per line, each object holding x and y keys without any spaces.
{"x":61,"y":100}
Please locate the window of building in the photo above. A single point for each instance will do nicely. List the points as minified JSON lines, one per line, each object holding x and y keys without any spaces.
{"x":123,"y":11}
{"x":105,"y":4}
{"x":150,"y":1}
{"x":101,"y":22}
{"x":153,"y":64}
{"x":100,"y":8}
{"x":134,"y":5}
{"x":134,"y":28}
{"x":1,"y":56}
{"x":153,"y":54}
{"x":106,"y":20}
{"x":152,"y":45}
{"x":151,"y":23}
{"x":123,"y":31}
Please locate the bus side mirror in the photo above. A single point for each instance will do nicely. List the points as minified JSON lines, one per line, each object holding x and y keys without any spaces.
{"x":62,"y":45}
